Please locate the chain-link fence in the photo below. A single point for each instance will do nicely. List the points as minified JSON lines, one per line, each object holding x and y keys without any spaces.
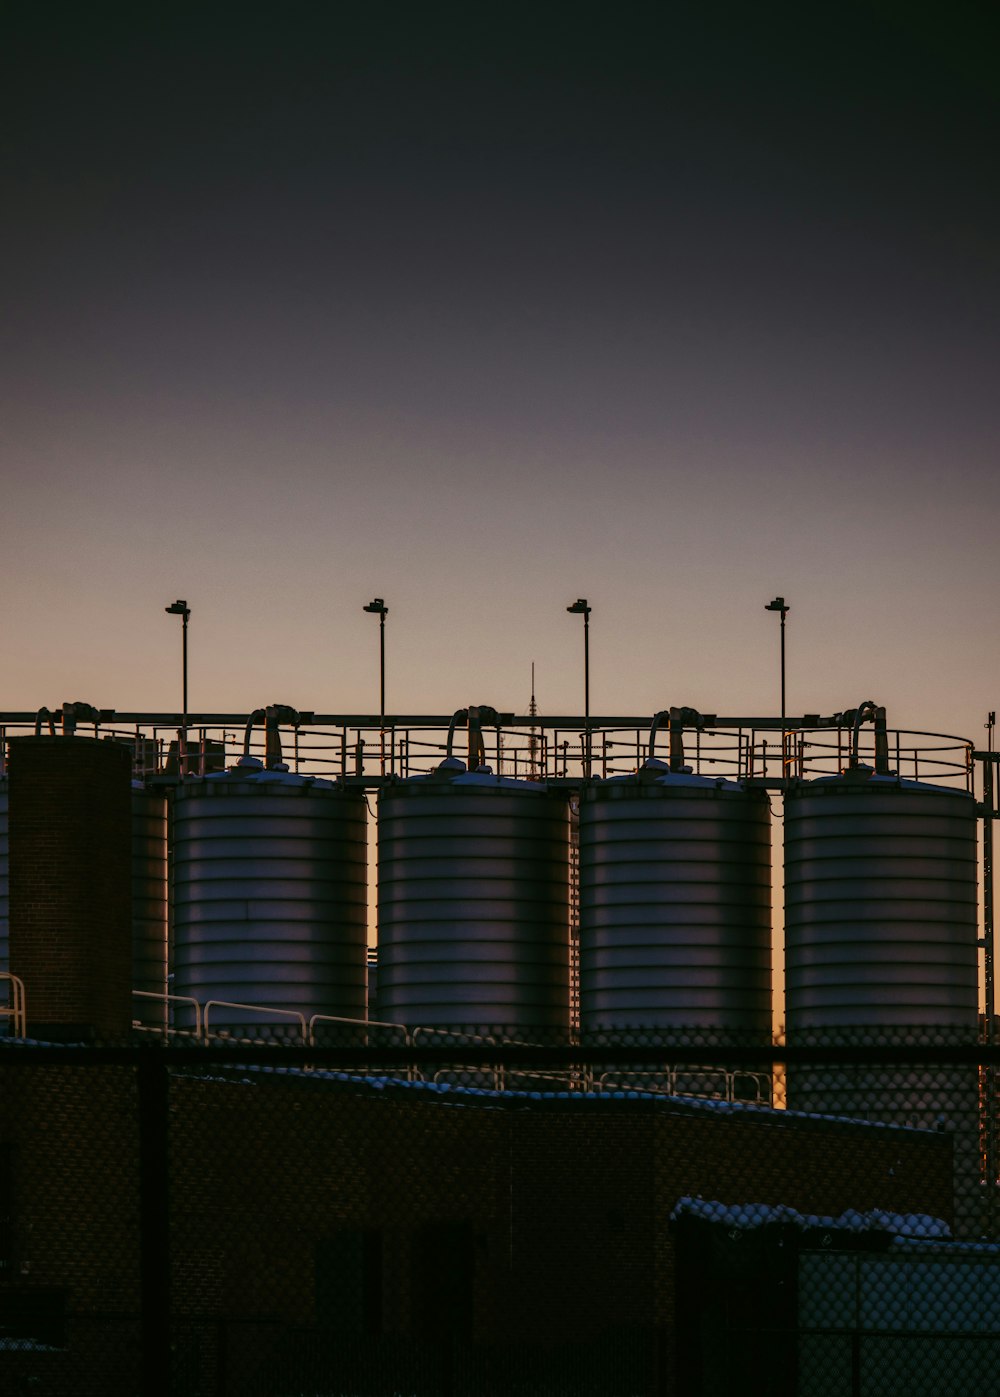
{"x":464,"y":1214}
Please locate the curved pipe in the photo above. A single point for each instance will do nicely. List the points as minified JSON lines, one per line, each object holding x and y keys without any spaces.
{"x":273,"y":715}
{"x":461,"y":715}
{"x":473,"y":718}
{"x":256,"y":716}
{"x":658,"y":718}
{"x":45,"y":716}
{"x":478,"y":715}
{"x":863,"y":711}
{"x":869,"y":711}
{"x":676,"y":718}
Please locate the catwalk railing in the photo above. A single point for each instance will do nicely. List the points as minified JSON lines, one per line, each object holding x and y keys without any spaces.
{"x":361,"y":748}
{"x":459,"y":1213}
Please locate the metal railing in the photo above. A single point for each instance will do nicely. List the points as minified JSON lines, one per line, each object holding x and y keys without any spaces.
{"x":16,"y":1010}
{"x":694,"y":1080}
{"x":712,"y":1083}
{"x":166,"y":1029}
{"x":349,"y":746}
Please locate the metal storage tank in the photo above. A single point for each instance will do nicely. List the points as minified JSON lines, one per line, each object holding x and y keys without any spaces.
{"x":473,"y":902}
{"x":149,"y":903}
{"x":881,"y":948}
{"x":880,"y":904}
{"x":675,"y":904}
{"x":270,"y":894}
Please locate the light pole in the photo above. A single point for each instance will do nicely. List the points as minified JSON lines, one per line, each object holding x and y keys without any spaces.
{"x":181,"y":608}
{"x":779,"y":604}
{"x":580,"y":608}
{"x":377,"y":607}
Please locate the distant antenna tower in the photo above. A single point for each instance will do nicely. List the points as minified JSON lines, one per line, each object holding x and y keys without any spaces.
{"x":532,"y":739}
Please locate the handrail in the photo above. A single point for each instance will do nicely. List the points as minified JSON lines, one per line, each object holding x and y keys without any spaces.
{"x":359,"y":1023}
{"x":455,"y":1033}
{"x":761,"y":1080}
{"x":571,"y":1077}
{"x":166,"y":999}
{"x":608,"y":1081}
{"x":458,"y":1036}
{"x":411,"y":1073}
{"x":18,"y":1011}
{"x":670,"y":1075}
{"x":254,"y":1008}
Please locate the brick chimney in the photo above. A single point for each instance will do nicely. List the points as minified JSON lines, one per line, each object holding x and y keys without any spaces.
{"x":70,"y":885}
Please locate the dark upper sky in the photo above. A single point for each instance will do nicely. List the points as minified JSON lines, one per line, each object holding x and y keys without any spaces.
{"x":558,"y":274}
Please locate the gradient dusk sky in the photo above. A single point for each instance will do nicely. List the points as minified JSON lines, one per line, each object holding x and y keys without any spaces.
{"x":482,"y":308}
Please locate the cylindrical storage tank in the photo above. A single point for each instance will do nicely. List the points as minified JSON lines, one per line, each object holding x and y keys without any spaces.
{"x":473,"y":903}
{"x":270,"y":896}
{"x":880,"y":904}
{"x":675,"y":905}
{"x":881,"y":949}
{"x":149,"y":905}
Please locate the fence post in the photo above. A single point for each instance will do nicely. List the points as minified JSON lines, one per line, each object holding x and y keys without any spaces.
{"x":154,"y":1221}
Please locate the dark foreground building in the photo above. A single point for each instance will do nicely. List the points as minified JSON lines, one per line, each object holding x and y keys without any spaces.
{"x":219,"y":1230}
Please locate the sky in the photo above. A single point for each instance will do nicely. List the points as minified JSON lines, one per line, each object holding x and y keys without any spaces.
{"x":480,"y":309}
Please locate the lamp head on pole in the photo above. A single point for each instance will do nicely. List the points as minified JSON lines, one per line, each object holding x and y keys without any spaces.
{"x":779,"y":604}
{"x":579,"y":607}
{"x":377,"y":607}
{"x":178,"y":608}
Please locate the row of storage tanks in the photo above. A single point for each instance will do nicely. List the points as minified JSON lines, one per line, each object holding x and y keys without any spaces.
{"x":269,"y":902}
{"x":475,"y":875}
